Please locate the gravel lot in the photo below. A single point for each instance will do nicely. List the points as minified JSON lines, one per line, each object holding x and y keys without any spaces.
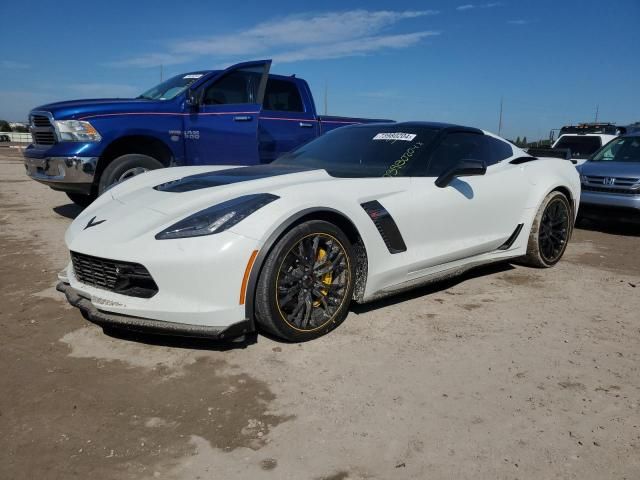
{"x":506,"y":373}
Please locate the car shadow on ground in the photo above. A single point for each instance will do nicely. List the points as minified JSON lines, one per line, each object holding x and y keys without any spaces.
{"x":181,"y":342}
{"x":251,"y":339}
{"x":432,"y":288}
{"x":70,"y":210}
{"x":611,"y":227}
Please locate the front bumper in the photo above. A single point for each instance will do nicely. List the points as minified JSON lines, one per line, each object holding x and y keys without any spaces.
{"x":71,"y":174}
{"x":145,"y":325}
{"x":616,"y":200}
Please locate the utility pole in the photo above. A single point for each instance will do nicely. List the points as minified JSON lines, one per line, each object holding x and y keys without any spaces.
{"x":326,"y":93}
{"x":500,"y":121}
{"x":597,"y":111}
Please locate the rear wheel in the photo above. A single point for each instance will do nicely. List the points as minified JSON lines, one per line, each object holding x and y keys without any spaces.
{"x":550,"y":232}
{"x":306,"y":284}
{"x":126,"y":167}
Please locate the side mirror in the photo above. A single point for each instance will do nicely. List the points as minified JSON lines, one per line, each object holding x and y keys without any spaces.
{"x":464,"y":168}
{"x":194,"y":98}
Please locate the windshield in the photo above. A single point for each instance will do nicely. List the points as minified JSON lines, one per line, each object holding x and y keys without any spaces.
{"x":623,"y":149}
{"x":371,"y":151}
{"x":581,"y":146}
{"x":171,"y":88}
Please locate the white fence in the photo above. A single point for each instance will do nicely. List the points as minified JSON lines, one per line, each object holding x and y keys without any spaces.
{"x":18,"y":137}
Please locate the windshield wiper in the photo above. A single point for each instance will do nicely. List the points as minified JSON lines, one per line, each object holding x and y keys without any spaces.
{"x":140,"y":97}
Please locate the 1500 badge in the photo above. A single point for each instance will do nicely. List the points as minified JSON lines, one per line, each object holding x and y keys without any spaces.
{"x":189,"y":134}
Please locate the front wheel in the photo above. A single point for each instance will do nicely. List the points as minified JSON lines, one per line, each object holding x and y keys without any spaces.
{"x":126,"y":167}
{"x":80,"y":199}
{"x":550,"y":232}
{"x":305,"y":287}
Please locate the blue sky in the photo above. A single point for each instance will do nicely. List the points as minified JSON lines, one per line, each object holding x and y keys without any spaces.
{"x":552,"y":61}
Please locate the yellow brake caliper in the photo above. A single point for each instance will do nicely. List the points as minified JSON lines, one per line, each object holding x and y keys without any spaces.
{"x":327,"y":278}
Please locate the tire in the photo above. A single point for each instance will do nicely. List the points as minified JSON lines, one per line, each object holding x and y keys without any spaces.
{"x":125,"y":167}
{"x":298,"y":308}
{"x":80,"y":199}
{"x":550,"y":232}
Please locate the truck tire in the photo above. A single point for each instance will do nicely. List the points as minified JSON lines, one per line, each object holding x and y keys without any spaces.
{"x":80,"y":199}
{"x":125,"y":167}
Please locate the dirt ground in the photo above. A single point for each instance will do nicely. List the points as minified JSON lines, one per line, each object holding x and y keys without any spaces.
{"x":505,"y":373}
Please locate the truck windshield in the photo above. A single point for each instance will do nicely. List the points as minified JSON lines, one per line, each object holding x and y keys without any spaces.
{"x":365,"y":151}
{"x":623,"y":149}
{"x":581,"y":146}
{"x":171,"y":88}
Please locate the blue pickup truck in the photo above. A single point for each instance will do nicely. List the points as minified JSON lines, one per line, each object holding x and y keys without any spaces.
{"x":241,"y":115}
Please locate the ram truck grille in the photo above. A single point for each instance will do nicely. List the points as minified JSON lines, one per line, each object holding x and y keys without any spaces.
{"x":125,"y":278}
{"x":42,"y":131}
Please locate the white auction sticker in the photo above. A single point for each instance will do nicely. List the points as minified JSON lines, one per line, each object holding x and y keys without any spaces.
{"x":406,"y":137}
{"x":193,"y":75}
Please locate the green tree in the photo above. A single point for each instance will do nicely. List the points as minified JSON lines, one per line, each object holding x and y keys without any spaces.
{"x":524,"y":141}
{"x":518,"y":142}
{"x":4,"y":126}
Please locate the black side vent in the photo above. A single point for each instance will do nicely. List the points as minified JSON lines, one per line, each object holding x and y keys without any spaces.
{"x":507,"y":245}
{"x":386,"y":226}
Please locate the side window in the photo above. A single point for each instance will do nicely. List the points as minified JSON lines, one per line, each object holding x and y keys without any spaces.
{"x":230,"y":89}
{"x":498,"y":150}
{"x":456,"y":147}
{"x":283,"y":96}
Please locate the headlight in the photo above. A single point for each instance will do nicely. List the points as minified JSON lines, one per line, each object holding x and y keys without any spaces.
{"x":77,"y":131}
{"x":583,"y":179}
{"x":218,"y":218}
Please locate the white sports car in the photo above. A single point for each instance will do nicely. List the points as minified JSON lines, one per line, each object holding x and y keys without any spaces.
{"x":362,"y":212}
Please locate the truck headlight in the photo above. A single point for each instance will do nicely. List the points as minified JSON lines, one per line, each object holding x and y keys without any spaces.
{"x":218,"y":218}
{"x":76,"y":131}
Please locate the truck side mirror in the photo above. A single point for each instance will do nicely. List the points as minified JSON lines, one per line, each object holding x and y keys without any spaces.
{"x":194,"y":98}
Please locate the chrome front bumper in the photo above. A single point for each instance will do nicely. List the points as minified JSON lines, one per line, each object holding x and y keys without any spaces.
{"x":63,"y":173}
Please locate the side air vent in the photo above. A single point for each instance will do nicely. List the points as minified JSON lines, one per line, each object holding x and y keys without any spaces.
{"x":514,"y":236}
{"x":386,"y":226}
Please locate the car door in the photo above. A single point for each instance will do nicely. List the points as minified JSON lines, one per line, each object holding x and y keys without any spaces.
{"x":286,"y":120}
{"x":473,"y":214}
{"x":223,"y":127}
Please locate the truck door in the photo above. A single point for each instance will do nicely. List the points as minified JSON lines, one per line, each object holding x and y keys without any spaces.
{"x":287,"y":119}
{"x":223,"y":128}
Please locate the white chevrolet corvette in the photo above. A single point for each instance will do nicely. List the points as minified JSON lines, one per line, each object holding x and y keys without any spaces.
{"x":362,"y":212}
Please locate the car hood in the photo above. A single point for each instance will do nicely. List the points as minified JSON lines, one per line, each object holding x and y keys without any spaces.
{"x":155,"y":200}
{"x":75,"y":109}
{"x":611,"y":169}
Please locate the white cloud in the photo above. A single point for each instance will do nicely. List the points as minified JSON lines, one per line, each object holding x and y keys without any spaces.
{"x":517,"y":22}
{"x":492,"y":5}
{"x":296,"y":37}
{"x":468,"y":6}
{"x":12,"y":65}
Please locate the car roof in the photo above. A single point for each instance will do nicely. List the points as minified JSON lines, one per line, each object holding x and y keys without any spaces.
{"x":432,"y":125}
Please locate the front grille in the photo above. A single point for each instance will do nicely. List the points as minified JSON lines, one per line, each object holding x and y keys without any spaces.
{"x":621,"y":191}
{"x":42,"y":130}
{"x":43,"y":138}
{"x":40,"y":121}
{"x":617,"y":181}
{"x":125,"y":278}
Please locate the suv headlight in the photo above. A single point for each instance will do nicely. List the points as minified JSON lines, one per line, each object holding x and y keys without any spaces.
{"x":218,"y":218}
{"x":583,"y":179}
{"x":76,"y":131}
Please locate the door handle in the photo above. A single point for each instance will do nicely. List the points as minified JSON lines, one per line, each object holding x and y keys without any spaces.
{"x":306,"y":125}
{"x":242,"y":118}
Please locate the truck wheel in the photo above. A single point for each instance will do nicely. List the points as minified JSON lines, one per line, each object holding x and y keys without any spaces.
{"x":125,"y":167}
{"x":80,"y":199}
